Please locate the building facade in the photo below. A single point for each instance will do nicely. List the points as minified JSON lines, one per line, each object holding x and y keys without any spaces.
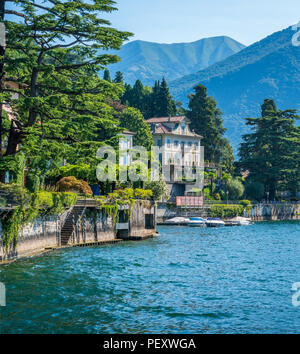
{"x":179,"y":148}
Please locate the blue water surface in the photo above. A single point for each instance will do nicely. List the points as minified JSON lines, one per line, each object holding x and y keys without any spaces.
{"x":187,"y":280}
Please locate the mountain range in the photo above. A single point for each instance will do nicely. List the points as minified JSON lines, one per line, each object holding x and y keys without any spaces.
{"x":149,"y":61}
{"x":269,"y":68}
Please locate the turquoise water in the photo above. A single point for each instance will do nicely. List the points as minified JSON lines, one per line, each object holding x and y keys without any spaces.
{"x":188,"y":280}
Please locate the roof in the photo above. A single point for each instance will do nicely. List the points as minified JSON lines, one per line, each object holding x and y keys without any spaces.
{"x":128,"y":132}
{"x":166,"y":119}
{"x":161,"y":129}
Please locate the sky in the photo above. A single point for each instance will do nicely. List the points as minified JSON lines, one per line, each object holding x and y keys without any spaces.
{"x":175,"y":21}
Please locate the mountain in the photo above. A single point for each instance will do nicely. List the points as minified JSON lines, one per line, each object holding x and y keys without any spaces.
{"x":149,"y":61}
{"x":269,"y":68}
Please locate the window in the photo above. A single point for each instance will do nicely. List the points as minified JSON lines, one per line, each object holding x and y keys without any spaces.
{"x":196,"y":146}
{"x":169,"y":143}
{"x":176,"y":143}
{"x":182,"y":144}
{"x":159,"y":143}
{"x":190,"y":144}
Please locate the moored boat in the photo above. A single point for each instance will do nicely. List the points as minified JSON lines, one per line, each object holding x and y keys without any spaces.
{"x":240,"y":221}
{"x":214,"y":222}
{"x":197,"y":222}
{"x":180,"y":221}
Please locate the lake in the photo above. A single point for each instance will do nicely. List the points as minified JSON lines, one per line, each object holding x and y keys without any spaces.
{"x":187,"y":280}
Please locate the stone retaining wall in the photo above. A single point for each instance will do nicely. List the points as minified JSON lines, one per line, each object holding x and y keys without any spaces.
{"x":96,"y":227}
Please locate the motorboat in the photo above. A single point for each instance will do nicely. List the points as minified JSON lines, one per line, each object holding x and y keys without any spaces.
{"x":214,"y":222}
{"x":240,"y":221}
{"x":177,"y":221}
{"x":197,"y":222}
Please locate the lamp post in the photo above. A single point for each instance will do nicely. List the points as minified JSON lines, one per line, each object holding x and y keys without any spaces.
{"x":227,"y":192}
{"x":268,"y":193}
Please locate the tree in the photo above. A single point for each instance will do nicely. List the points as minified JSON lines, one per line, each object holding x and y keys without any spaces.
{"x":119,"y":79}
{"x":165,"y":105}
{"x":272,"y":151}
{"x":53,"y":50}
{"x":133,"y":120}
{"x":236,"y":189}
{"x":206,"y":120}
{"x":106,"y":75}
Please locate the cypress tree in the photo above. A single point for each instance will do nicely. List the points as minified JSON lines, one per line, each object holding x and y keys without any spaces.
{"x":106,"y":75}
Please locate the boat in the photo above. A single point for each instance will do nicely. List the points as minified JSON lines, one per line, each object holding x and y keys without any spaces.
{"x":197,"y":222}
{"x":239,"y":221}
{"x":180,"y":221}
{"x":214,"y":222}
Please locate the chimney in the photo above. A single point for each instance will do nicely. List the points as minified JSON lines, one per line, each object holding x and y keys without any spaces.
{"x":169,"y":119}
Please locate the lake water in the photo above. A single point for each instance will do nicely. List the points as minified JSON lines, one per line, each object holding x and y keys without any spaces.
{"x":187,"y":280}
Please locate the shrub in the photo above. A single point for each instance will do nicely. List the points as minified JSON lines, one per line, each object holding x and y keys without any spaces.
{"x":14,"y":193}
{"x":226,"y":211}
{"x":245,"y":202}
{"x":143,"y":193}
{"x":72,"y":184}
{"x":159,"y":188}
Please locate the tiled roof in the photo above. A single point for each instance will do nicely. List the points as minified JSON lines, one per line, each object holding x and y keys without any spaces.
{"x":161,"y":129}
{"x":166,"y":119}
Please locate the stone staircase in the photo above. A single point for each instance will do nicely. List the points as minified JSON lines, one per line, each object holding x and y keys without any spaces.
{"x":71,"y":220}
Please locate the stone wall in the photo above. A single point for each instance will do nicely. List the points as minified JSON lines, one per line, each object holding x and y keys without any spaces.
{"x":94,"y":227}
{"x":33,"y":238}
{"x":139,"y":219}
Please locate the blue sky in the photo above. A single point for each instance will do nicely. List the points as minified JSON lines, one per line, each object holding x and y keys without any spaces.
{"x":170,"y":21}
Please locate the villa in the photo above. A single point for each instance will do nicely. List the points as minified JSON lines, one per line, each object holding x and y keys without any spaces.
{"x":180,"y":147}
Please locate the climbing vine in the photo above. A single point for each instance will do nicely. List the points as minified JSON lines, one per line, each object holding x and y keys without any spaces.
{"x":41,"y":203}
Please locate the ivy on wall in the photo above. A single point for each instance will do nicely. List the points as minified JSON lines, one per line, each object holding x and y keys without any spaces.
{"x":41,"y":203}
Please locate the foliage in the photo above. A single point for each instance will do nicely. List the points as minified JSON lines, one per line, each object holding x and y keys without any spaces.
{"x":40,"y":203}
{"x":133,"y":120}
{"x":82,"y":171}
{"x":143,"y":193}
{"x":245,"y":202}
{"x":159,"y":189}
{"x":206,"y":120}
{"x":69,"y":184}
{"x":236,"y":189}
{"x":55,"y":51}
{"x":14,"y":193}
{"x":254,"y":190}
{"x":152,"y":102}
{"x":272,"y":151}
{"x":226,"y":211}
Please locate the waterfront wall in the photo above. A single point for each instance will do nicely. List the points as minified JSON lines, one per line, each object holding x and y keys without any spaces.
{"x":93,"y":227}
{"x":260,"y":212}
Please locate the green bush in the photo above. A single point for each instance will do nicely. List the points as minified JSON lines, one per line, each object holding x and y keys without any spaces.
{"x":14,"y":193}
{"x":245,"y":202}
{"x":226,"y":211}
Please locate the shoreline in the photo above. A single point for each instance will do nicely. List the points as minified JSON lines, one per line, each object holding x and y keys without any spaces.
{"x":37,"y":253}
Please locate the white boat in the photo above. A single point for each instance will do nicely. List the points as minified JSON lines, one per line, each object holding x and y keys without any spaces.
{"x":177,"y":221}
{"x":197,"y":222}
{"x":241,"y":221}
{"x":214,"y":222}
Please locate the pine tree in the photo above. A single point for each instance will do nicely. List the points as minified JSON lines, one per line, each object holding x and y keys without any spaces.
{"x":119,"y":79}
{"x":206,"y":120}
